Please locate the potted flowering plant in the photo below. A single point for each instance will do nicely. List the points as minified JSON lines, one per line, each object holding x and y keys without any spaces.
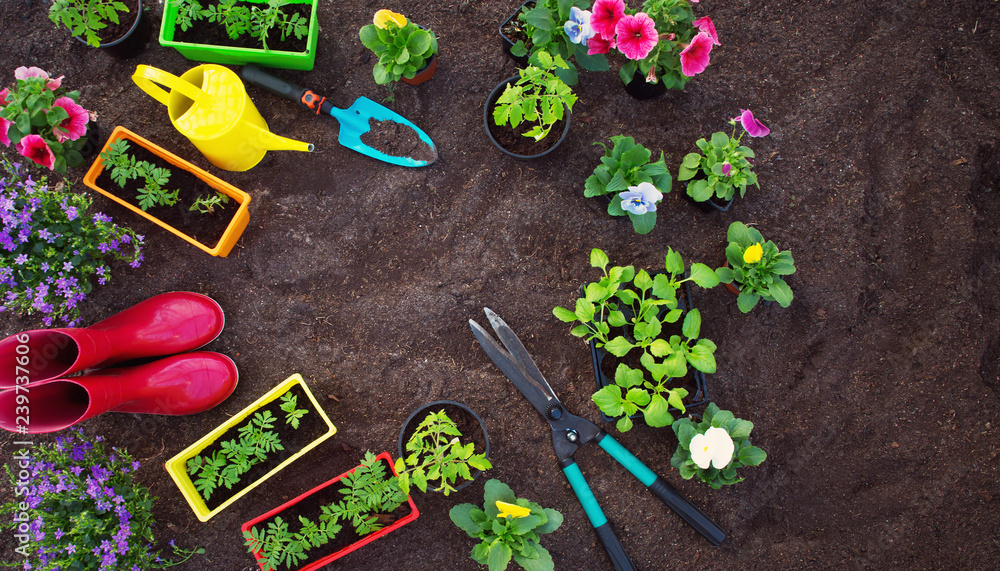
{"x":47,"y":260}
{"x":631,"y":183}
{"x":80,"y":507}
{"x":664,"y":43}
{"x":509,"y":527}
{"x":273,"y":33}
{"x":627,"y":310}
{"x":723,"y":165}
{"x":754,"y":268}
{"x":406,"y":52}
{"x":438,"y":451}
{"x":119,"y":25}
{"x":714,"y":448}
{"x":328,"y":522}
{"x":528,"y":106}
{"x":42,"y":120}
{"x":557,"y":27}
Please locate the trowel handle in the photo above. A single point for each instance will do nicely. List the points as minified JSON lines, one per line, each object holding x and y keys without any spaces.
{"x":283,"y":88}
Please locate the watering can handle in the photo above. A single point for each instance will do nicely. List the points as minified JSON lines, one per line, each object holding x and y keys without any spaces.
{"x":147,"y":77}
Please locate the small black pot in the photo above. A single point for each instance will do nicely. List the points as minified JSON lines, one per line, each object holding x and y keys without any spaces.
{"x":94,"y":142}
{"x":488,"y":115}
{"x":641,"y":89}
{"x":698,"y":397}
{"x":410,"y":426}
{"x":133,"y":42}
{"x":713,"y":204}
{"x":507,"y":43}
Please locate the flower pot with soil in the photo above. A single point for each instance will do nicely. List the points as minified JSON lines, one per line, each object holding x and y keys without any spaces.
{"x":121,"y":28}
{"x":641,"y":89}
{"x":280,"y":34}
{"x":191,"y":203}
{"x":440,"y":444}
{"x":754,"y":269}
{"x":406,"y":52}
{"x":722,"y":166}
{"x":512,"y":33}
{"x":633,"y":316}
{"x":524,"y":114}
{"x":330,"y":521}
{"x":255,"y":444}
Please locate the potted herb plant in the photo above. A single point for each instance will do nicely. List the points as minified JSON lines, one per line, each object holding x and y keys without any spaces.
{"x":440,"y":444}
{"x":508,"y":527}
{"x":31,"y":257}
{"x":714,"y":448}
{"x":43,"y":120}
{"x":120,"y":26}
{"x":250,"y":447}
{"x":406,"y":52}
{"x":663,"y":42}
{"x":722,"y":166}
{"x":754,"y":268}
{"x":556,"y":27}
{"x":273,"y":33}
{"x":630,"y":182}
{"x":628,"y":310}
{"x":521,"y":112}
{"x":328,"y":522}
{"x":168,"y":190}
{"x":81,"y":506}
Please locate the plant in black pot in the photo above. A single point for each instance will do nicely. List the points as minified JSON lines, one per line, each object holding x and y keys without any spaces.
{"x":522,"y":112}
{"x":754,"y":268}
{"x":116,"y":24}
{"x":722,"y":166}
{"x":442,"y":451}
{"x":406,"y":52}
{"x":630,"y":181}
{"x":630,"y":310}
{"x":556,"y":27}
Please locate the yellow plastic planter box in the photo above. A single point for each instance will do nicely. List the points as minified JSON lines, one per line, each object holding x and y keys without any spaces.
{"x":177,"y":466}
{"x":232,"y":233}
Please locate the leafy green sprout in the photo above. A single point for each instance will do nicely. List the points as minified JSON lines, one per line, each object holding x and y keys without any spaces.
{"x":437,"y":457}
{"x":293,"y":414}
{"x":239,"y":19}
{"x":236,"y":457}
{"x":85,"y":18}
{"x":538,"y":97}
{"x":635,"y":301}
{"x":723,"y":164}
{"x":206,"y":204}
{"x":125,"y":167}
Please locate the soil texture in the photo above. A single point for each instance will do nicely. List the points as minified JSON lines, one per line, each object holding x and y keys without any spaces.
{"x":875,"y":394}
{"x":397,"y":140}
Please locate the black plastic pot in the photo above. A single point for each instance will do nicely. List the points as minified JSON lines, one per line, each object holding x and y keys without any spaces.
{"x":94,"y":141}
{"x":697,"y":397}
{"x":488,"y":116}
{"x":507,"y":43}
{"x":410,"y":426}
{"x":641,"y":89}
{"x":133,"y":42}
{"x":713,"y":204}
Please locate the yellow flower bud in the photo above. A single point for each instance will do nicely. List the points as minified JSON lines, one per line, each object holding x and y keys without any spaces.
{"x":753,"y":254}
{"x":382,"y":17}
{"x":512,"y":510}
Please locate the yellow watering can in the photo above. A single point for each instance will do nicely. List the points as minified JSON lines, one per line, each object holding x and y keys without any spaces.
{"x":210,"y":107}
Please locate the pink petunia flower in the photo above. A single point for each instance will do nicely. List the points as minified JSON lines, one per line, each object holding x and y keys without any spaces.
{"x":35,"y":148}
{"x":74,"y":126}
{"x":26,"y":72}
{"x":636,"y":35}
{"x":651,"y":76}
{"x":605,"y":16}
{"x":695,"y":57}
{"x":4,"y":126}
{"x":706,"y":25}
{"x":752,"y":125}
{"x":4,"y":95}
{"x":599,"y":45}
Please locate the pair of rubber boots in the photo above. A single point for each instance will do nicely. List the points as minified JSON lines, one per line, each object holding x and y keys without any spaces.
{"x":38,"y":397}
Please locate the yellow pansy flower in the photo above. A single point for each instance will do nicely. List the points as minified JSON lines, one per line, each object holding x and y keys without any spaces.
{"x":753,"y":254}
{"x":382,"y":17}
{"x":512,"y":510}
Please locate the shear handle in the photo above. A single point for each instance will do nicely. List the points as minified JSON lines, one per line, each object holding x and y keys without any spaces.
{"x":614,"y":547}
{"x":284,"y":88}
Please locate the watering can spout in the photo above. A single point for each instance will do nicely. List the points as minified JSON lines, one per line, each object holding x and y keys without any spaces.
{"x":271,"y":142}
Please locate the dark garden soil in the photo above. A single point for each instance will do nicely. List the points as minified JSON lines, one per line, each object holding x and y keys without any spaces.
{"x":875,"y":394}
{"x":397,"y":140}
{"x":214,"y":33}
{"x":311,"y":427}
{"x":206,"y":228}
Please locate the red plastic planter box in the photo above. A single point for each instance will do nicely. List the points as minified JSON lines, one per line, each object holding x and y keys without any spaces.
{"x":414,"y":513}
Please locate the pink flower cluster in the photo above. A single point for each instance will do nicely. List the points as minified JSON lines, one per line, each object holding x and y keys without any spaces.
{"x":33,"y":145}
{"x":636,"y":36}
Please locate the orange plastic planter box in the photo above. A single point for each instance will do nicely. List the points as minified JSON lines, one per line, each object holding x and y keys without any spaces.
{"x":316,"y":564}
{"x":232,"y":233}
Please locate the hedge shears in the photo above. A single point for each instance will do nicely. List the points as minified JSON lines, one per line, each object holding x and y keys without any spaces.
{"x":570,"y":431}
